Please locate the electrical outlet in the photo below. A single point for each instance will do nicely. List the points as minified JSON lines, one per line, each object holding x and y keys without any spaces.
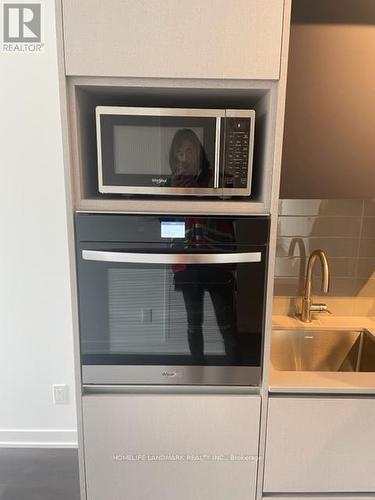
{"x":60,"y":394}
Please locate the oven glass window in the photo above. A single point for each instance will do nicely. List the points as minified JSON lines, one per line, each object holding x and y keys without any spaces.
{"x":171,"y":314}
{"x":187,"y":311}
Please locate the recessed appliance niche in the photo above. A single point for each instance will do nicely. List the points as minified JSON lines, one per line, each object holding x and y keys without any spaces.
{"x":149,"y":143}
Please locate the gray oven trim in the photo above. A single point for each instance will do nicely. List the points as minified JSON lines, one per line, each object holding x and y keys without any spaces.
{"x":171,"y":375}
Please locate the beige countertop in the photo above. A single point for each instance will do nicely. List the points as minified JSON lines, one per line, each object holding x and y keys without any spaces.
{"x":323,"y":382}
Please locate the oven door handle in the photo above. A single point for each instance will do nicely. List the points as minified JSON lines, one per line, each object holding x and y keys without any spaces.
{"x":172,"y":258}
{"x":217,"y":153}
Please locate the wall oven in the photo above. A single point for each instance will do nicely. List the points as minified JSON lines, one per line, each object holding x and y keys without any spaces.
{"x":171,"y":151}
{"x":170,"y":299}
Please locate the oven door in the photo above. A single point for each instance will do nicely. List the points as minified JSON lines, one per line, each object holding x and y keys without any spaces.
{"x":175,"y":318}
{"x":158,"y":150}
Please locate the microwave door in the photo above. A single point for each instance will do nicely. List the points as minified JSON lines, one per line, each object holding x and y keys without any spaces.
{"x":159,"y":151}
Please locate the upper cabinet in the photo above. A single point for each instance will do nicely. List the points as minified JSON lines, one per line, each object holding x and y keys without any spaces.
{"x":172,"y":39}
{"x":330,"y":104}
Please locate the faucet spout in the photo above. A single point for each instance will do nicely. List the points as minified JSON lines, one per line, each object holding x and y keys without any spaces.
{"x":306,"y":301}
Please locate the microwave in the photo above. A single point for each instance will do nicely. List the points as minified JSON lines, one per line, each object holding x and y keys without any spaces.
{"x":175,"y":151}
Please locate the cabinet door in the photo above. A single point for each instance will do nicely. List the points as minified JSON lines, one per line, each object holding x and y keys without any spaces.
{"x":169,"y":38}
{"x":328,"y":149}
{"x":320,"y":445}
{"x":186,"y":447}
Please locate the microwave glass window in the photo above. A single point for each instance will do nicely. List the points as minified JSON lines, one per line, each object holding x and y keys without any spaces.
{"x":154,"y":150}
{"x":158,"y":151}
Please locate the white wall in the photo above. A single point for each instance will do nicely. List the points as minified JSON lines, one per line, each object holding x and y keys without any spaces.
{"x":36,"y":347}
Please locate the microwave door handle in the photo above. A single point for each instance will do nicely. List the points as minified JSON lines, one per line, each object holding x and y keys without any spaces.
{"x":217,"y":153}
{"x":171,"y":258}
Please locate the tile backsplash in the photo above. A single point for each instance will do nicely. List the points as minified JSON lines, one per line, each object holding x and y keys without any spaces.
{"x":344,"y":229}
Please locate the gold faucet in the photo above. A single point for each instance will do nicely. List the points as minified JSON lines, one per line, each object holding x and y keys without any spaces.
{"x":307,"y":305}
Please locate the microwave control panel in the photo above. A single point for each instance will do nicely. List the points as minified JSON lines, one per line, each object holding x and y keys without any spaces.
{"x":236,"y":155}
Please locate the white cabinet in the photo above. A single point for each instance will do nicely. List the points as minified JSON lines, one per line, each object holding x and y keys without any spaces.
{"x":170,"y":446}
{"x":173,"y":39}
{"x":319,"y":444}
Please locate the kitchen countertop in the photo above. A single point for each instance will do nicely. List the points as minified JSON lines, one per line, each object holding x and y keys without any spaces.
{"x":323,"y":382}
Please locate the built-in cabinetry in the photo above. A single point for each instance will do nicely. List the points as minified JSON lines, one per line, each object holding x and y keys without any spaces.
{"x":212,"y":54}
{"x":320,"y":444}
{"x":170,"y":446}
{"x":87,"y":93}
{"x":166,"y":53}
{"x":171,"y":39}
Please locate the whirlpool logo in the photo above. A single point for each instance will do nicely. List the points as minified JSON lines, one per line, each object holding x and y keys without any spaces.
{"x":169,"y":374}
{"x":159,"y":181}
{"x":22,"y":27}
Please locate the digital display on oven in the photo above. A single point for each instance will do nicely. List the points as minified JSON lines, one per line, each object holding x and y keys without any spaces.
{"x":172,"y":229}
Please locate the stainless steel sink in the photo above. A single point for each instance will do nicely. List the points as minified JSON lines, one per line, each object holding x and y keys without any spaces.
{"x":323,"y":350}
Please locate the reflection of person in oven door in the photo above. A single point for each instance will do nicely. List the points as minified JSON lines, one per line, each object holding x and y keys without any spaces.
{"x":217,"y":280}
{"x":188,"y":161}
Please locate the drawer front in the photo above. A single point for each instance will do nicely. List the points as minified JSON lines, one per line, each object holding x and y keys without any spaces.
{"x":142,"y":446}
{"x":320,"y":445}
